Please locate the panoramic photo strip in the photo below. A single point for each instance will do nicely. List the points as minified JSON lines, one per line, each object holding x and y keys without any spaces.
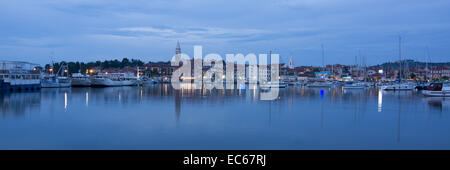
{"x":224,"y":84}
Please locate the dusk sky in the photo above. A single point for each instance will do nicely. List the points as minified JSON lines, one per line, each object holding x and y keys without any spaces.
{"x":90,"y":30}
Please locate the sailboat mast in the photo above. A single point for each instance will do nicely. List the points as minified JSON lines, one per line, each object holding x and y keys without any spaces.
{"x":400,"y":55}
{"x":429,"y":60}
{"x":323,"y":58}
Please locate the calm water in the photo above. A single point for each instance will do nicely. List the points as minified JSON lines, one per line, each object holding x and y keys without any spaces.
{"x":158,"y":117}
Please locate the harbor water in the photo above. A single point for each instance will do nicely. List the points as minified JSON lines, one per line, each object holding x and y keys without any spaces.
{"x":159,"y":117}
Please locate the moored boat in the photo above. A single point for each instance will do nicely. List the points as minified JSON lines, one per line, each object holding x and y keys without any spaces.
{"x":399,"y":86}
{"x":19,"y":76}
{"x":51,"y":81}
{"x":114,"y":79}
{"x":268,"y":85}
{"x":437,"y":90}
{"x":353,"y":85}
{"x":58,"y":80}
{"x":319,"y":84}
{"x":80,"y":80}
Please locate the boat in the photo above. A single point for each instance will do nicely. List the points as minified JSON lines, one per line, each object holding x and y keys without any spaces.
{"x":51,"y":81}
{"x":147,"y":81}
{"x":422,"y":86}
{"x":399,"y":86}
{"x":319,"y":84}
{"x":18,"y":76}
{"x":353,"y":85}
{"x":437,"y":90}
{"x":80,"y":80}
{"x":267,"y":85}
{"x":58,"y":80}
{"x":114,"y":79}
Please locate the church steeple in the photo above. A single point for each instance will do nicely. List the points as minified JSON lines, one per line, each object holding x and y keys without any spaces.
{"x":178,"y":49}
{"x":291,"y":63}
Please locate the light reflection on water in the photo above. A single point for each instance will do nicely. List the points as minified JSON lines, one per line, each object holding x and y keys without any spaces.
{"x":159,"y":117}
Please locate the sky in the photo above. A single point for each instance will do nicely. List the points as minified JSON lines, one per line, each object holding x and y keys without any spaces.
{"x":88,"y":30}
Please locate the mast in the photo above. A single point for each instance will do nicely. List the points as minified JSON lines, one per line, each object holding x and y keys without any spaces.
{"x":400,"y":55}
{"x":323,"y":57}
{"x":429,"y":60}
{"x":356,"y":66}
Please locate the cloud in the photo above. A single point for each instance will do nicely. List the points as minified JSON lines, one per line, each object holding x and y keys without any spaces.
{"x":195,"y":34}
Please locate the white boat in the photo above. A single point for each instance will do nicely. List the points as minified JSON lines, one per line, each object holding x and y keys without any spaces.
{"x":320,"y":84}
{"x":51,"y":81}
{"x":80,"y":80}
{"x":147,"y":81}
{"x":114,"y":79}
{"x":399,"y":86}
{"x":437,"y":90}
{"x":352,"y":85}
{"x":273,"y":85}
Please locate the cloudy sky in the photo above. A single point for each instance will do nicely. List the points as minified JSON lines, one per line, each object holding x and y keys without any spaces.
{"x":89,"y":30}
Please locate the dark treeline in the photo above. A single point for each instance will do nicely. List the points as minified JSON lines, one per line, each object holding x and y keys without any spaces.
{"x":412,"y":64}
{"x":75,"y":67}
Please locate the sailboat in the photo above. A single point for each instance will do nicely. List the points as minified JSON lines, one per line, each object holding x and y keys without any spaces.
{"x":399,"y":85}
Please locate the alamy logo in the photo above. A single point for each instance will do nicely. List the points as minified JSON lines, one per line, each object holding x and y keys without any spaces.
{"x":235,"y":72}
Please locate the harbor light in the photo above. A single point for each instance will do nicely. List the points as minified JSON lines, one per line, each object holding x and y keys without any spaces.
{"x":65,"y":71}
{"x":91,"y":71}
{"x":50,"y":70}
{"x":380,"y":71}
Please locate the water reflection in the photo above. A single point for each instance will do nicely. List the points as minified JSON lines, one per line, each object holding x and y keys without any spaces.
{"x":19,"y":104}
{"x":158,"y":115}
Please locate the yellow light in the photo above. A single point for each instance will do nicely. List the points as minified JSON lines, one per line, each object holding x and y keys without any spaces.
{"x":223,"y":76}
{"x":91,"y":71}
{"x":50,"y":70}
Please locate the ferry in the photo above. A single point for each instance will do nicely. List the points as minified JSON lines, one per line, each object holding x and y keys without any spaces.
{"x":437,"y":90}
{"x":114,"y":79}
{"x":16,"y":76}
{"x":80,"y":80}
